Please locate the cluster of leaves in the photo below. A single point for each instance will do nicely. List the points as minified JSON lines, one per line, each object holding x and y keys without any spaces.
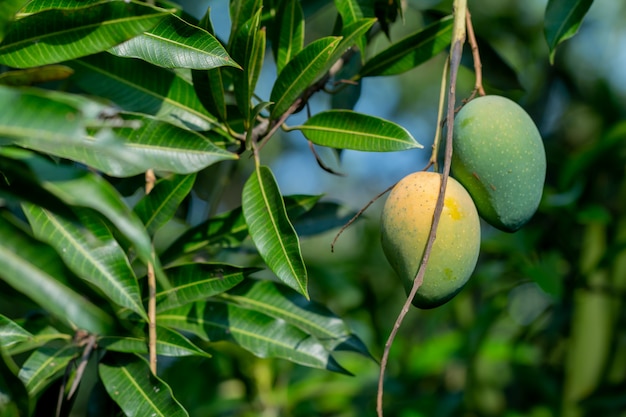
{"x":96,"y":93}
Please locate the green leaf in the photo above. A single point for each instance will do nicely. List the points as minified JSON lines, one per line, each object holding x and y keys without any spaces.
{"x":42,"y":333}
{"x":271,"y":230}
{"x":229,"y":229}
{"x":158,"y":207}
{"x":137,"y":86}
{"x":289,"y":33}
{"x":209,"y":87}
{"x":11,"y":332}
{"x":249,"y":49}
{"x":323,"y":217}
{"x":410,"y":51}
{"x":35,"y":270}
{"x":57,"y":35}
{"x":346,"y":129}
{"x":282,"y":303}
{"x":199,"y":281}
{"x":304,"y":69}
{"x":350,"y":35}
{"x":46,"y":364}
{"x":8,"y":9}
{"x":174,"y":43}
{"x":562,"y":20}
{"x":352,"y":11}
{"x":240,"y":12}
{"x":15,"y":401}
{"x":256,"y":332}
{"x":169,"y":343}
{"x":30,"y":76}
{"x":129,"y":382}
{"x":91,"y":252}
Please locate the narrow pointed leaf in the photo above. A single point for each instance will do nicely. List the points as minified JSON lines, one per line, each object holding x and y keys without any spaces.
{"x":137,"y":86}
{"x":41,"y":332}
{"x":410,"y":51}
{"x":304,"y":69}
{"x":346,"y":129}
{"x":325,"y":216}
{"x":169,"y":343}
{"x":199,"y":281}
{"x":46,"y":364}
{"x":282,"y":303}
{"x":130,"y":383}
{"x":12,"y":333}
{"x":256,"y":332}
{"x":30,"y":76}
{"x":562,"y":20}
{"x":94,"y":255}
{"x":240,"y":12}
{"x":290,"y":33}
{"x":35,"y":270}
{"x":57,"y":35}
{"x":229,"y":229}
{"x":158,"y":207}
{"x":352,"y":11}
{"x":174,"y":43}
{"x":271,"y":230}
{"x":15,"y":401}
{"x":350,"y":35}
{"x":209,"y":87}
{"x":8,"y":9}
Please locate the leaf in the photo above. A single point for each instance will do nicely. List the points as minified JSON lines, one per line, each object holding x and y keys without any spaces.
{"x":352,"y":11}
{"x":304,"y":69}
{"x":158,"y":207}
{"x":229,"y":229}
{"x":8,"y":9}
{"x":562,"y":20}
{"x":11,"y":332}
{"x":169,"y":343}
{"x":174,"y":43}
{"x":91,"y":253}
{"x":350,"y":35}
{"x":35,"y":270}
{"x":346,"y":129}
{"x":36,"y":75}
{"x":249,"y":49}
{"x":410,"y":51}
{"x":199,"y":281}
{"x":46,"y":364}
{"x":282,"y":303}
{"x":137,"y":86}
{"x":323,"y":217}
{"x":256,"y":332}
{"x":129,"y":382}
{"x":271,"y":230}
{"x":209,"y":87}
{"x":15,"y":401}
{"x":289,"y":33}
{"x":57,"y":35}
{"x":240,"y":12}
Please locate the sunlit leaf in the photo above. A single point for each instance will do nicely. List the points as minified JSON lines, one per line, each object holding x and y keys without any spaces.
{"x":158,"y":207}
{"x":256,"y":332}
{"x":45,"y":364}
{"x":137,"y":86}
{"x":304,"y":69}
{"x":353,"y":10}
{"x":562,"y":20}
{"x":35,"y":270}
{"x":11,"y":332}
{"x":282,"y":303}
{"x":169,"y":343}
{"x":345,"y":129}
{"x":130,"y":383}
{"x":174,"y":43}
{"x":410,"y":51}
{"x":290,"y":32}
{"x":91,"y":253}
{"x":57,"y":35}
{"x":271,"y":230}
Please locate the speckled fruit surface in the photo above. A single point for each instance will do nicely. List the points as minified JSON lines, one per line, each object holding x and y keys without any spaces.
{"x":405,"y":225}
{"x":500,"y":159}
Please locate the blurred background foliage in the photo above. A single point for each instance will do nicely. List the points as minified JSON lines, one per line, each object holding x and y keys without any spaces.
{"x":540,"y":329}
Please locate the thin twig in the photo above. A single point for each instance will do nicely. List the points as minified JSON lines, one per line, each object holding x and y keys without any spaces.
{"x":152,"y":335}
{"x":357,"y":215}
{"x":321,"y":163}
{"x":460,"y":8}
{"x":478,"y":67}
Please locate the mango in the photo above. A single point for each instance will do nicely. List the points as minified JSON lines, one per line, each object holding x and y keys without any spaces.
{"x":405,"y":224}
{"x":499,"y":157}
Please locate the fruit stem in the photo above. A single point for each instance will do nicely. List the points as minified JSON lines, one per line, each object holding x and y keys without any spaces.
{"x":440,"y":122}
{"x":456,"y":49}
{"x":478,"y":67}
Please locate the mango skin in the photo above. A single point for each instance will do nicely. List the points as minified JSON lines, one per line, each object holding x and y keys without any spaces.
{"x":500,"y":159}
{"x":405,"y":225}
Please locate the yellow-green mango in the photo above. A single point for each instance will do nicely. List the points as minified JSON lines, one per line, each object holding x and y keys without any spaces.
{"x":498,"y":156}
{"x":405,"y":224}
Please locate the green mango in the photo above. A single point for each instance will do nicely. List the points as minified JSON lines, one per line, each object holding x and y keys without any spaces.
{"x":405,"y":225}
{"x":499,"y":157}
